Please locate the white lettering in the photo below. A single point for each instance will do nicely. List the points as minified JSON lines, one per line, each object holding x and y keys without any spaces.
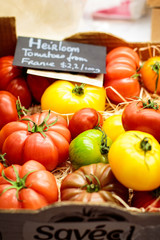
{"x":37,"y":43}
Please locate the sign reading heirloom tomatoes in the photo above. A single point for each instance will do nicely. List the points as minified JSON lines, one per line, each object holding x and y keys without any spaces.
{"x":68,"y":56}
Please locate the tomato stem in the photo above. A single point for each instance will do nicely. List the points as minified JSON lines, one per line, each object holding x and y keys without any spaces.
{"x":3,"y":160}
{"x":78,"y":90}
{"x":43,"y":127}
{"x":21,"y":110}
{"x":155,"y":67}
{"x":92,"y":187}
{"x":150,"y":104}
{"x":18,"y":184}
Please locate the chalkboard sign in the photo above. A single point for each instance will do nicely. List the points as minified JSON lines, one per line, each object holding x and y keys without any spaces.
{"x":65,"y":56}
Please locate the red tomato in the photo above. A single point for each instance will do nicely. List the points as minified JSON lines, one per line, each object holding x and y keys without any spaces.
{"x":29,"y":186}
{"x":93,"y":183}
{"x":123,"y":60}
{"x":19,"y":88}
{"x":38,"y":85}
{"x":119,"y":71}
{"x":84,"y":119}
{"x":8,"y":110}
{"x":43,"y":137}
{"x":149,"y":200}
{"x":142,"y":116}
{"x":8,"y":71}
{"x":120,"y":90}
{"x":123,"y":52}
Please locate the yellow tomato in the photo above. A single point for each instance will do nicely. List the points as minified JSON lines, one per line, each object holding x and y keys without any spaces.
{"x":66,"y":97}
{"x":113,"y":126}
{"x":134,"y":158}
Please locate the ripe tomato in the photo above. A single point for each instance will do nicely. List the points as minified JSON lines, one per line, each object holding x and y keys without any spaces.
{"x":134,"y":158}
{"x":8,"y":71}
{"x":93,"y":183}
{"x":19,"y":88}
{"x":42,"y":136}
{"x":142,"y":116}
{"x":121,"y":90}
{"x":66,"y":97}
{"x":84,"y":119}
{"x":113,"y":126}
{"x":150,"y":74}
{"x":121,"y":79}
{"x":89,"y":147}
{"x":12,"y":79}
{"x":126,"y":52}
{"x":119,"y":71}
{"x":149,"y":200}
{"x":29,"y":186}
{"x":37,"y":85}
{"x":8,"y":110}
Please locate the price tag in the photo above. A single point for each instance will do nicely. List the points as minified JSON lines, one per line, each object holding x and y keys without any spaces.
{"x":36,"y":53}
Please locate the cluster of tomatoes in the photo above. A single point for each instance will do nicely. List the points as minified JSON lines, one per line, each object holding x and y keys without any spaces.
{"x":109,"y":156}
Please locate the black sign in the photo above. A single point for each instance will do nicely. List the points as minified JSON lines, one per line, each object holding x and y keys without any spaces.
{"x":65,"y":56}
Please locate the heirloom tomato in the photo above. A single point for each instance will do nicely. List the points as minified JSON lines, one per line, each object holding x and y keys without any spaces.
{"x":93,"y":183}
{"x":121,"y":90}
{"x":66,"y":97}
{"x":121,"y":79}
{"x":29,"y":186}
{"x":142,"y":116}
{"x":150,"y":74}
{"x":125,"y":52}
{"x":12,"y":79}
{"x":37,"y":85}
{"x":18,"y":87}
{"x":8,"y":109}
{"x":7,"y":71}
{"x":43,"y":137}
{"x":113,"y":126}
{"x":89,"y":147}
{"x":134,"y":158}
{"x":149,"y":200}
{"x":84,"y":119}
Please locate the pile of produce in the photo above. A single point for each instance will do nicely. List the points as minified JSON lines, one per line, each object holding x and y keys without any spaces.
{"x":66,"y":141}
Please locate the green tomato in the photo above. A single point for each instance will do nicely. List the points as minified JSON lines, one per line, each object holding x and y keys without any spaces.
{"x":89,"y":147}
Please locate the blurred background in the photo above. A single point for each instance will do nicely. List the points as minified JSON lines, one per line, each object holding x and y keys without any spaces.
{"x":57,"y":19}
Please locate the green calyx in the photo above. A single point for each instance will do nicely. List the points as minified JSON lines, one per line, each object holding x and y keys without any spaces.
{"x":150,"y":104}
{"x":78,"y":90}
{"x":42,"y":128}
{"x":3,"y":160}
{"x":155,"y":67}
{"x":90,"y":186}
{"x":145,"y":145}
{"x":21,"y":110}
{"x":18,"y":184}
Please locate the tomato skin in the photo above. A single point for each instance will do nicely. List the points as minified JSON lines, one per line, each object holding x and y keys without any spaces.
{"x":21,"y":145}
{"x":119,"y":71}
{"x":72,"y":187}
{"x":19,"y":88}
{"x":113,"y":126}
{"x":40,"y":187}
{"x":128,"y":88}
{"x":84,"y":119}
{"x":60,"y":98}
{"x":8,"y":110}
{"x":131,"y":165}
{"x":37,"y":85}
{"x":123,"y":52}
{"x":85,"y":149}
{"x":149,"y":76}
{"x":147,"y":200}
{"x":12,"y":80}
{"x":136,"y":117}
{"x":8,"y":71}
